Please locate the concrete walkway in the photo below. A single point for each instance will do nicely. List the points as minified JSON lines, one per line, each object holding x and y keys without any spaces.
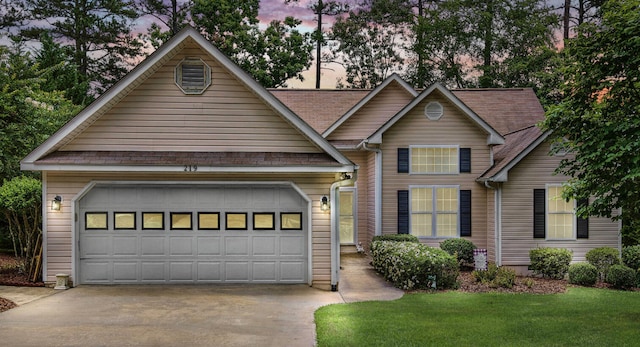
{"x":175,"y":315}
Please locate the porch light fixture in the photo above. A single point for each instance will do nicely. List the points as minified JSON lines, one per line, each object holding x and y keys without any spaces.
{"x":324,"y":204}
{"x":56,"y":203}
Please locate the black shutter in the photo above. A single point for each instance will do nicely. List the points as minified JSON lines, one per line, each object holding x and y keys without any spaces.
{"x":465,"y":159}
{"x":403,"y":211}
{"x":583,"y":223}
{"x":403,"y":160}
{"x":539,"y":197}
{"x":465,"y":213}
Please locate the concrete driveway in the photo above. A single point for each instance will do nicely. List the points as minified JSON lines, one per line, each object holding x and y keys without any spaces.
{"x":221,"y":315}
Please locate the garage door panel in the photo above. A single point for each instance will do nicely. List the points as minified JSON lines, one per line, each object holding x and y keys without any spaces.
{"x":94,"y":245}
{"x":125,"y":271}
{"x":264,"y":246}
{"x":236,"y":245}
{"x":196,"y":255}
{"x":125,"y":245}
{"x":237,"y":271}
{"x":209,"y":271}
{"x":181,"y":271}
{"x":208,"y":245}
{"x":292,"y":245}
{"x":152,"y":245}
{"x":181,"y":245}
{"x":152,"y":271}
{"x":265,"y":271}
{"x":292,"y":271}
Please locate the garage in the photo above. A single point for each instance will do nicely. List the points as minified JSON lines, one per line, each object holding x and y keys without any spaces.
{"x":192,"y":233}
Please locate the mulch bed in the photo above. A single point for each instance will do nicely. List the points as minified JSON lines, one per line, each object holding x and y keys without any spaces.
{"x":10,"y":275}
{"x":528,"y":285}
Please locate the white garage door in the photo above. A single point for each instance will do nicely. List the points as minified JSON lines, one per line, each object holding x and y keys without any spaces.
{"x":192,"y":234}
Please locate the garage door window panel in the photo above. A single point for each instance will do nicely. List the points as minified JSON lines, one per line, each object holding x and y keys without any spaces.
{"x":96,"y":221}
{"x":264,"y":221}
{"x":153,"y":220}
{"x":236,"y":221}
{"x":291,"y":221}
{"x":124,"y":220}
{"x":181,"y":221}
{"x":208,"y":221}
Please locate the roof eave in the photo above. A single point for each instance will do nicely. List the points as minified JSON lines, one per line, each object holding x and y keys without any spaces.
{"x":503,"y":174}
{"x":181,"y":168}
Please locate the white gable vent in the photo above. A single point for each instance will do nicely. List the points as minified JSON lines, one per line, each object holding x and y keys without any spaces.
{"x":433,"y":110}
{"x":193,"y":76}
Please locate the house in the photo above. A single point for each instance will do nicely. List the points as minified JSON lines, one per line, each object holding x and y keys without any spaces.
{"x":188,"y":171}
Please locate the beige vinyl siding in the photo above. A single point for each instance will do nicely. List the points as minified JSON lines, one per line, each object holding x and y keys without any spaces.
{"x":491,"y":225}
{"x":453,"y":128}
{"x":68,"y":185}
{"x":374,"y":114}
{"x":371,"y":199}
{"x":535,"y":172}
{"x":157,"y":116}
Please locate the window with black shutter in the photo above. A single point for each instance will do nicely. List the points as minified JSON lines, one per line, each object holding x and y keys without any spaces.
{"x":465,"y":213}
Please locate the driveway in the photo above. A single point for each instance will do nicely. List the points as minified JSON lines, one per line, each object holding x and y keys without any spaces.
{"x":221,"y":315}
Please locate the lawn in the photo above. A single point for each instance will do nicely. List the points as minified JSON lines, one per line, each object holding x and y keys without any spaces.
{"x":580,"y":317}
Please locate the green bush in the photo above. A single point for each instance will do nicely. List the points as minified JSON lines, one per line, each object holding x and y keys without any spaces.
{"x":410,"y":265}
{"x":462,"y":248}
{"x":583,"y":274}
{"x":397,"y":238}
{"x":550,"y":262}
{"x":631,"y":256}
{"x":603,"y":258}
{"x":621,"y":277}
{"x":496,"y":276}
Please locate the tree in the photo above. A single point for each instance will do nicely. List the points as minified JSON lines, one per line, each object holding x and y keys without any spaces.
{"x":21,"y":205}
{"x":369,"y":43}
{"x":98,"y":34}
{"x":271,"y":56}
{"x":172,"y":17}
{"x":598,"y":121}
{"x":12,"y":14}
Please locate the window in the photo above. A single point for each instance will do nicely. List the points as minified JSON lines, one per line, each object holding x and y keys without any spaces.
{"x":181,"y":221}
{"x":560,"y":215}
{"x":291,"y":221}
{"x":208,"y":221}
{"x":152,"y":220}
{"x":347,"y":216}
{"x":236,"y":221}
{"x":193,"y":76}
{"x":124,"y":220}
{"x":434,"y":211}
{"x":264,"y":221}
{"x":434,"y":160}
{"x":95,"y":220}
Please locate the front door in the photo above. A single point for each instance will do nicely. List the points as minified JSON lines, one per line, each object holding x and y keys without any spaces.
{"x":347,"y":216}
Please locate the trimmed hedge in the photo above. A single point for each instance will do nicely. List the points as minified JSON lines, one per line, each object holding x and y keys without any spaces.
{"x":410,"y":265}
{"x":621,"y":277}
{"x":462,"y":248}
{"x":603,"y":258}
{"x":631,"y":256}
{"x":550,"y":262}
{"x":397,"y":238}
{"x":583,"y":274}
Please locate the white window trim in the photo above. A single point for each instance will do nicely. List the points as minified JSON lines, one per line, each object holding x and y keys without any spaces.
{"x":411,"y":172}
{"x":434,"y":231}
{"x":574,"y":235}
{"x":355,"y":214}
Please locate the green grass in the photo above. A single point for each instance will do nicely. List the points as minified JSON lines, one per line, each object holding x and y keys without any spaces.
{"x":580,"y":317}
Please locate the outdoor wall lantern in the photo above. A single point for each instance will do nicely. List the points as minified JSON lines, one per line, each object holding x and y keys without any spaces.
{"x":324,"y":204}
{"x":56,"y":203}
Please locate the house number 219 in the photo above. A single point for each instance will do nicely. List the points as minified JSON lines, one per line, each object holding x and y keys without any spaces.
{"x":191,"y":168}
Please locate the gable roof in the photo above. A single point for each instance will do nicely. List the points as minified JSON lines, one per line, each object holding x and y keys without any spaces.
{"x":493,"y":136}
{"x":394,"y":78}
{"x":135,"y":77}
{"x":506,"y":110}
{"x":319,"y":107}
{"x":516,"y":147}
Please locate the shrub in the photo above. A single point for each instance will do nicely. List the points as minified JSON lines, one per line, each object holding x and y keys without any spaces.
{"x":496,"y":276}
{"x":397,"y":238}
{"x":550,"y":262}
{"x":603,"y":258}
{"x":583,"y":274}
{"x":621,"y":277}
{"x":411,"y":265}
{"x":631,"y":256}
{"x":462,"y":248}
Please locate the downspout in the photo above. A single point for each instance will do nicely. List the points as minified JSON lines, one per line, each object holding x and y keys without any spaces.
{"x":335,"y":223}
{"x":497,"y":206}
{"x":377,"y":186}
